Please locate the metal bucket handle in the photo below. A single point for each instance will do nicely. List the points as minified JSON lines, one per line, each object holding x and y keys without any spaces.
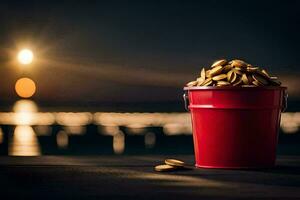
{"x":284,"y":101}
{"x":186,"y":101}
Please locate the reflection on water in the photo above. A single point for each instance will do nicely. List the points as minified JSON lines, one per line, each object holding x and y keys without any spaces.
{"x":136,"y":129}
{"x":62,"y":139}
{"x":69,"y":132}
{"x":24,"y":142}
{"x":42,"y":130}
{"x":75,"y":130}
{"x":24,"y":110}
{"x":109,"y":130}
{"x":1,"y":136}
{"x":119,"y":143}
{"x":150,"y":140}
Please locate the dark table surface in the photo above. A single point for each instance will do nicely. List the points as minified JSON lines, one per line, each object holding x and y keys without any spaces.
{"x":132,"y":177}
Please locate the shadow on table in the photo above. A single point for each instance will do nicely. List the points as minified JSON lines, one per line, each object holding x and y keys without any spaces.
{"x":281,"y":175}
{"x":281,"y":169}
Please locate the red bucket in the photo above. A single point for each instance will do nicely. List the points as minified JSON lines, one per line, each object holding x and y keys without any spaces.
{"x":235,"y":127}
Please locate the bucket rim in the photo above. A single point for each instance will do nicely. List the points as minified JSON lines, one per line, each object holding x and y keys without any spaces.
{"x":235,"y":88}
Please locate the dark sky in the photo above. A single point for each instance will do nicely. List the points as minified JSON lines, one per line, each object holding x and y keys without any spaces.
{"x":138,"y":51}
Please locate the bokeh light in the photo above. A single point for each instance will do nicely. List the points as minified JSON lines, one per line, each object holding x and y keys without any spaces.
{"x":25,"y":87}
{"x":25,"y":56}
